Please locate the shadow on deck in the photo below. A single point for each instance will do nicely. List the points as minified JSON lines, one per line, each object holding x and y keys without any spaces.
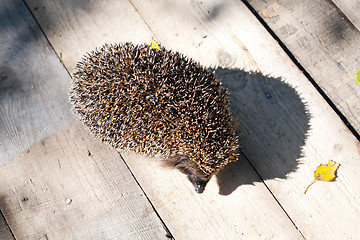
{"x":273,"y":122}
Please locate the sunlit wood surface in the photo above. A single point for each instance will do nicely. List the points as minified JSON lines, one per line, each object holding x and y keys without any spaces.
{"x":59,"y":182}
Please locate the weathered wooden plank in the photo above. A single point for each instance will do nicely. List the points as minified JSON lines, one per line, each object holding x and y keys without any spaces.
{"x":351,"y":10}
{"x":71,"y":187}
{"x":277,"y":133}
{"x":220,"y":212}
{"x":325,"y":43}
{"x":33,"y":84}
{"x":190,"y":215}
{"x":106,"y":202}
{"x":77,"y":27}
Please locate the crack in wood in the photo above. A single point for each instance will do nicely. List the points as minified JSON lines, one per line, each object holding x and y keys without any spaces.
{"x":7,"y":224}
{"x":168,"y":233}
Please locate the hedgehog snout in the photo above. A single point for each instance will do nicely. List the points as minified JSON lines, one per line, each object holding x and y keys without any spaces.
{"x":198,"y":182}
{"x":200,"y":186}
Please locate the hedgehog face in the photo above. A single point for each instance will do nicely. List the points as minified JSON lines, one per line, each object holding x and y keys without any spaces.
{"x":197,"y":177}
{"x":198,"y":181}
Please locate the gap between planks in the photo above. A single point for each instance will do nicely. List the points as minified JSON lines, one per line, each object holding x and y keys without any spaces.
{"x":47,"y":39}
{"x":273,"y":195}
{"x":168,"y":233}
{"x":146,"y":22}
{"x":5,"y":230}
{"x":302,"y":69}
{"x":150,"y":202}
{"x":349,"y":8}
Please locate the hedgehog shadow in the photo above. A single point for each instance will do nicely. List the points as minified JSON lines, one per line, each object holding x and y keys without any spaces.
{"x":272,"y":127}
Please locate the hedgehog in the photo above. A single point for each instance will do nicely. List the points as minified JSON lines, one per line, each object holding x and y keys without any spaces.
{"x":157,"y":102}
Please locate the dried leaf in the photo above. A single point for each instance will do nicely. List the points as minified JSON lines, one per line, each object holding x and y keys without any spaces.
{"x":267,"y":13}
{"x":325,"y":173}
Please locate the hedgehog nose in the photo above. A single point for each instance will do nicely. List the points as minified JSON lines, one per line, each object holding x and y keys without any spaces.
{"x":199,"y":188}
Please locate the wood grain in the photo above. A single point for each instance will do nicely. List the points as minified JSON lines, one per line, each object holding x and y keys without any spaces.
{"x":294,"y":129}
{"x":234,"y":205}
{"x":5,"y":232}
{"x":284,"y":137}
{"x":325,"y":42}
{"x":70,"y":186}
{"x":181,"y":216}
{"x":34,"y":84}
{"x":77,"y":27}
{"x":57,"y":184}
{"x":350,"y":8}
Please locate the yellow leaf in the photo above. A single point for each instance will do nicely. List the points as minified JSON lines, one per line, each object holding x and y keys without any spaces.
{"x":154,"y":45}
{"x":325,"y":173}
{"x":357,"y":76}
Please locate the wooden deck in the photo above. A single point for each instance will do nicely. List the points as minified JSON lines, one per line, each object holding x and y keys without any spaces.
{"x":58,"y":182}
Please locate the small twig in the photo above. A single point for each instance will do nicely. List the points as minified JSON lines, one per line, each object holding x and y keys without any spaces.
{"x":309,"y":185}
